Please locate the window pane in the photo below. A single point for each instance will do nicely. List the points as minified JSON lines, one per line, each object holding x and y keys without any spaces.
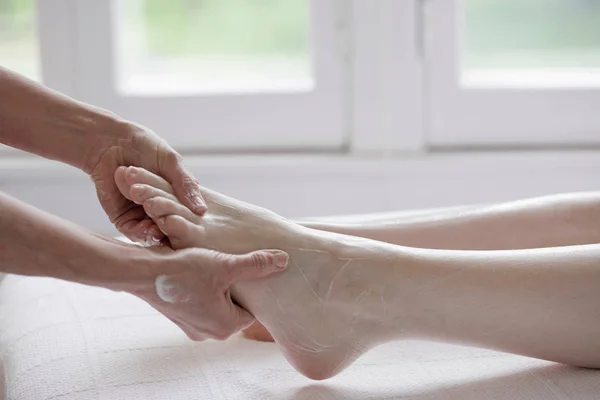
{"x":532,"y":42}
{"x":191,"y":46}
{"x":18,"y":42}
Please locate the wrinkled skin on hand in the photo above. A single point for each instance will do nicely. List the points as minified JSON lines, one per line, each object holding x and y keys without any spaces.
{"x":202,"y":306}
{"x":142,"y":148}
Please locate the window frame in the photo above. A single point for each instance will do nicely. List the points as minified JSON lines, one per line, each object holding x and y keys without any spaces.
{"x":206,"y":122}
{"x":389,"y":74}
{"x":387,"y":86}
{"x":496,"y":116}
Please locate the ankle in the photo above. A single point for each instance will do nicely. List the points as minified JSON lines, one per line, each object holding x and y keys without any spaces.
{"x":359,"y":281}
{"x":381,"y":288}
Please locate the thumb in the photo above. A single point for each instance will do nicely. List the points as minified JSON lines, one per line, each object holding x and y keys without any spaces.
{"x":255,"y":265}
{"x":244,"y":318}
{"x":184,"y":184}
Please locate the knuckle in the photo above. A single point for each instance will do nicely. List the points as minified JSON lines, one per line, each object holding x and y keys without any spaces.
{"x":229,"y":266}
{"x":260,"y":260}
{"x":195,"y":336}
{"x":226,"y":262}
{"x":219,"y":268}
{"x":172,"y":159}
{"x":189,"y":183}
{"x":222,"y":333}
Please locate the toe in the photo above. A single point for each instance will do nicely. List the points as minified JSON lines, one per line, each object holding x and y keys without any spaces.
{"x":135,"y":175}
{"x":139,"y":193}
{"x":177,"y":229}
{"x":157,"y":207}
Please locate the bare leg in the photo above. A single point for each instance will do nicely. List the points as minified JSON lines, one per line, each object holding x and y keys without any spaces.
{"x":345,"y":295}
{"x":558,"y":220}
{"x":550,"y":221}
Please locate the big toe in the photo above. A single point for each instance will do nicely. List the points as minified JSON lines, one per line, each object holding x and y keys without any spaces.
{"x":135,"y":175}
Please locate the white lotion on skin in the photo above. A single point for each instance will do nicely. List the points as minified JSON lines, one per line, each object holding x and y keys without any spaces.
{"x":171,"y":291}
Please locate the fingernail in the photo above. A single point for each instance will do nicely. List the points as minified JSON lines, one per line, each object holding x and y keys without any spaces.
{"x":152,"y":237}
{"x":199,"y":205}
{"x":155,"y":240}
{"x":280,"y":258}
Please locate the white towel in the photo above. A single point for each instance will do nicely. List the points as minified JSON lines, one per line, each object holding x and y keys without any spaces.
{"x":65,"y":341}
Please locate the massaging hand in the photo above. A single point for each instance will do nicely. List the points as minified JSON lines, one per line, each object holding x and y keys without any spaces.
{"x":192,"y":287}
{"x":140,"y":147}
{"x":41,"y":121}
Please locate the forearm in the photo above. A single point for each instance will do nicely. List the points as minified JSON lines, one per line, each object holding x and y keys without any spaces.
{"x":42,"y":121}
{"x":35,"y":243}
{"x":559,"y":220}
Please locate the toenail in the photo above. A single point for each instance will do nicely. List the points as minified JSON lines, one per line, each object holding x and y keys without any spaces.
{"x":132,"y":171}
{"x":139,"y":190}
{"x":149,"y":205}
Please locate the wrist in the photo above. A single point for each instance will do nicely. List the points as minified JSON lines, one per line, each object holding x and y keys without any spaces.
{"x":42,"y":121}
{"x":120,"y":266}
{"x":106,"y":131}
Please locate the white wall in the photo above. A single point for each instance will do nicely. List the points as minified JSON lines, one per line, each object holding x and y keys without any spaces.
{"x":302,"y":186}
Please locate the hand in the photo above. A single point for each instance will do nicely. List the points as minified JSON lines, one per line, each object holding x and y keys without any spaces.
{"x":258,"y":332}
{"x":142,"y":148}
{"x":192,"y":287}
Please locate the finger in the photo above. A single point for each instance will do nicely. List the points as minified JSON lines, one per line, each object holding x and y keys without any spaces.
{"x":143,"y":231}
{"x":121,"y":183}
{"x":177,"y":317}
{"x":255,"y":265}
{"x":229,"y":321}
{"x":244,"y":318}
{"x":190,"y":332}
{"x":158,"y":207}
{"x":258,"y":332}
{"x":124,"y":214}
{"x":185,"y":186}
{"x":154,"y":236}
{"x":135,"y":175}
{"x":127,"y":222}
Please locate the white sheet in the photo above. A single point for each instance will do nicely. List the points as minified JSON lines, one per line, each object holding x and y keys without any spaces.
{"x":71,"y":342}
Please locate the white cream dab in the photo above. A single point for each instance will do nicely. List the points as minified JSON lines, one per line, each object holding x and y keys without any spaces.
{"x":171,"y":291}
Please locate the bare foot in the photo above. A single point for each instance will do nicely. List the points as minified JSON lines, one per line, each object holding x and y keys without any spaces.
{"x":318,"y":311}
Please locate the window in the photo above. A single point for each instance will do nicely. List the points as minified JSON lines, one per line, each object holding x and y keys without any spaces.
{"x":213,"y":46}
{"x":509,"y":72}
{"x":207,"y":75}
{"x":322,"y":75}
{"x":534,"y":44}
{"x":18,"y":37}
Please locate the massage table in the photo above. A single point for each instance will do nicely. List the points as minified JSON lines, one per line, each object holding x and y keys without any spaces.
{"x":61,"y":340}
{"x":65,"y":341}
